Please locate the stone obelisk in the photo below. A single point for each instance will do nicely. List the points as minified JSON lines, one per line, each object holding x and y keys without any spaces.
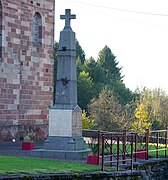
{"x":65,"y":117}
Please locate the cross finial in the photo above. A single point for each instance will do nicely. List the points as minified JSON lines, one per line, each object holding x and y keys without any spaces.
{"x":68,"y":16}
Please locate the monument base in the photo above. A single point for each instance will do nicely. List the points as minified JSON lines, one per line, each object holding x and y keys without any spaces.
{"x":65,"y":139}
{"x":78,"y":155}
{"x":64,"y":148}
{"x":64,"y":143}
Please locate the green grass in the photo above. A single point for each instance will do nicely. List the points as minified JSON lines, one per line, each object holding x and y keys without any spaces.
{"x":161,"y":151}
{"x":22,"y":165}
{"x":152,"y":149}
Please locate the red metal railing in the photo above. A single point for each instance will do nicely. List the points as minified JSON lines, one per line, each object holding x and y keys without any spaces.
{"x":112,"y":149}
{"x":157,"y":138}
{"x":116,"y":148}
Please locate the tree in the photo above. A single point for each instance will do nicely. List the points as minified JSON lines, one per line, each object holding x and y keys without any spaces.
{"x":112,"y":76}
{"x":55,"y":67}
{"x":94,"y":69}
{"x":108,"y":62}
{"x":108,"y":113}
{"x":155,"y":103}
{"x":142,"y":119}
{"x":162,"y":123}
{"x":85,"y":89}
{"x":80,"y":52}
{"x":96,"y":73}
{"x":87,"y":122}
{"x":79,"y":66}
{"x":124,"y":94}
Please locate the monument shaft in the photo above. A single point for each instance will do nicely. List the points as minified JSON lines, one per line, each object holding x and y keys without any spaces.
{"x":66,"y":85}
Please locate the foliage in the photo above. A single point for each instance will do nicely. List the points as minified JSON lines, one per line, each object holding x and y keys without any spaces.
{"x":124,"y":95}
{"x":55,"y":67}
{"x":156,"y":105}
{"x":142,"y":119}
{"x":79,"y":66}
{"x":108,"y":113}
{"x":80,"y":54}
{"x":108,"y":62}
{"x":112,"y":76}
{"x":87,"y":122}
{"x":105,"y":73}
{"x":96,"y":74}
{"x":94,"y":69}
{"x":85,"y":91}
{"x":93,"y":145}
{"x":27,"y":139}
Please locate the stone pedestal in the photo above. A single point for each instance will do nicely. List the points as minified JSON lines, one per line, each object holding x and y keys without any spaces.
{"x":65,"y":139}
{"x":65,"y":122}
{"x":64,"y":143}
{"x":65,"y":130}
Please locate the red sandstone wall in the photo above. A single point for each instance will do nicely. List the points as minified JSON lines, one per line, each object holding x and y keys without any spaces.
{"x":26,"y":70}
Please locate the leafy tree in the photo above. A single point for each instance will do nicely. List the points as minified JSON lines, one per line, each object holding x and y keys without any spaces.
{"x":87,"y":122}
{"x":85,"y":89}
{"x":142,"y":119}
{"x":108,"y":113}
{"x":162,"y":122}
{"x":124,"y":94}
{"x":56,"y":45}
{"x":94,"y":69}
{"x":96,"y":74}
{"x":80,"y":52}
{"x":112,"y":76}
{"x":55,"y":67}
{"x":79,"y":66}
{"x":108,"y":62}
{"x":156,"y":105}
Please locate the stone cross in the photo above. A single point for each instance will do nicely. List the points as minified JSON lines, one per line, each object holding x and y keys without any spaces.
{"x":68,"y":16}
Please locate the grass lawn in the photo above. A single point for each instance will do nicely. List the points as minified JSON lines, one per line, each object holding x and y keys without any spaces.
{"x":161,"y":151}
{"x":152,"y":149}
{"x":22,"y":165}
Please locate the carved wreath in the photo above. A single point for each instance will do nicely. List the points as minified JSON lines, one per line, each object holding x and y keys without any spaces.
{"x":64,"y":81}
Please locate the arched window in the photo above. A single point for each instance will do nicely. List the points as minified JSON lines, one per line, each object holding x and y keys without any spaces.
{"x":0,"y":30}
{"x":37,"y":29}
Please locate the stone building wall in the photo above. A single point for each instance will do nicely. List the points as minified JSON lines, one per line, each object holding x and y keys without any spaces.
{"x":26,"y":67}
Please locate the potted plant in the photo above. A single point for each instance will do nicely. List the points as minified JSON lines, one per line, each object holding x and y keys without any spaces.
{"x":93,"y":158}
{"x":28,"y":143}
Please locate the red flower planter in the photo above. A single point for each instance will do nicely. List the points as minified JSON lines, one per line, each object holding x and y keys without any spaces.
{"x":92,"y":160}
{"x":28,"y":145}
{"x":141,"y":154}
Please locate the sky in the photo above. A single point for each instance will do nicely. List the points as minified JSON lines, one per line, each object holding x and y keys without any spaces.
{"x":136,"y":31}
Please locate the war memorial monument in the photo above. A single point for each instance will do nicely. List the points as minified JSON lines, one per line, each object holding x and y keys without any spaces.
{"x":65,"y":116}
